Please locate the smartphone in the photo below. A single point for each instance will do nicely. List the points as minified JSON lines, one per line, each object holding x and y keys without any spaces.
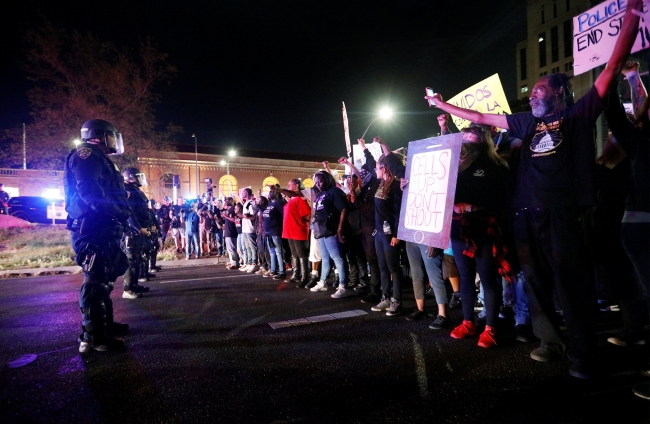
{"x":430,"y":93}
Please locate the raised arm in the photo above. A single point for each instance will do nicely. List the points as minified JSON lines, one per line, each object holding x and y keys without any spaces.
{"x":622,"y":48}
{"x":637,"y":89}
{"x":469,"y":114}
{"x":355,"y":171}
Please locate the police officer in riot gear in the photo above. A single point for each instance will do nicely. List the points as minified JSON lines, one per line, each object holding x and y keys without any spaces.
{"x":154,"y":239}
{"x":135,"y":238}
{"x":164,"y":216}
{"x":97,"y":214}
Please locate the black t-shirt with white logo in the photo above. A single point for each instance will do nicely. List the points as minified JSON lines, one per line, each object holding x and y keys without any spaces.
{"x":557,"y":155}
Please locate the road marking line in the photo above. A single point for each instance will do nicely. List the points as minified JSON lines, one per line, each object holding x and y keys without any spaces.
{"x":420,"y":368}
{"x":244,"y":326}
{"x":318,"y":318}
{"x":205,"y":278}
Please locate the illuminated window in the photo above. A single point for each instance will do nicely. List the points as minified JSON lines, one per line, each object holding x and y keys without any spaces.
{"x":524,"y":88}
{"x":167,"y":180}
{"x":308,"y":182}
{"x":228,"y":185}
{"x":267,"y":182}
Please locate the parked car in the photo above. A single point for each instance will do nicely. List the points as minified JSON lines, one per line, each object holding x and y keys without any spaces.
{"x":34,"y":209}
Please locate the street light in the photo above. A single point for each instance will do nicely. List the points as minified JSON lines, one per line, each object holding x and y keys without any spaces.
{"x":385,"y":113}
{"x":196,"y":163}
{"x":231,"y":154}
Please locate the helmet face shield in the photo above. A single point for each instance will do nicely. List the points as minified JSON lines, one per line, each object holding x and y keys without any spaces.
{"x":114,"y":143}
{"x":105,"y":132}
{"x":140,"y":179}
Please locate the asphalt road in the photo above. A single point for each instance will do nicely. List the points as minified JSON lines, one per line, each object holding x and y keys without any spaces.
{"x":205,"y":346}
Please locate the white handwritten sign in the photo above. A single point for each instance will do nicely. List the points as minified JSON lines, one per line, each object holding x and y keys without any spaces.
{"x":428,"y":200}
{"x":358,"y":157}
{"x":486,"y":96}
{"x":596,"y":30}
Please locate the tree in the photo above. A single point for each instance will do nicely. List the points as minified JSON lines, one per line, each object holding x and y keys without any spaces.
{"x":78,"y":77}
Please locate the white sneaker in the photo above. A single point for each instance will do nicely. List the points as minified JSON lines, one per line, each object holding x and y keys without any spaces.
{"x":319,"y":287}
{"x":343,"y":292}
{"x":381,"y":306}
{"x":252,"y":269}
{"x":127,"y":294}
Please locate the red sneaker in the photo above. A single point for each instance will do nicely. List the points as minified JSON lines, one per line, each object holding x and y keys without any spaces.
{"x":486,"y":339}
{"x":467,"y":328}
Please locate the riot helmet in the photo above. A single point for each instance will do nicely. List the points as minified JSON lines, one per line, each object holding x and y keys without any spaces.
{"x":133,"y":175}
{"x":105,"y":132}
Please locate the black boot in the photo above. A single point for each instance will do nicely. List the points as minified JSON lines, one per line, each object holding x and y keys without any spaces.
{"x":304,"y":269}
{"x":296,"y":277}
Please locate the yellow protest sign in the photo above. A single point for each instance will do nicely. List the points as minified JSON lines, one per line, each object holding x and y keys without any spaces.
{"x":486,"y":96}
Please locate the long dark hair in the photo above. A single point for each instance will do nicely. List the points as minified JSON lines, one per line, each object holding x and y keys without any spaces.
{"x":485,"y":143}
{"x":557,"y":81}
{"x":387,"y":180}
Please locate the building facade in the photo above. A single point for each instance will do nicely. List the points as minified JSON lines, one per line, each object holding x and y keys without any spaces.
{"x":247,"y":168}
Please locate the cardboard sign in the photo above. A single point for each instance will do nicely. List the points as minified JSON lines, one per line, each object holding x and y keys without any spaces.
{"x":596,"y":30}
{"x":428,"y":199}
{"x":359,"y":158}
{"x":486,"y":96}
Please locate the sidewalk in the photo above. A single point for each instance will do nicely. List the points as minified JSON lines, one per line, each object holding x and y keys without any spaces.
{"x":39,"y":272}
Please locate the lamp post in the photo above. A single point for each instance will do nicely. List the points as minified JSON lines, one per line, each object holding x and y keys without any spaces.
{"x":196,"y":163}
{"x":231,"y":154}
{"x":385,"y":113}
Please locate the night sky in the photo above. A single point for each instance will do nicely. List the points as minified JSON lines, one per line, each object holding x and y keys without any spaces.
{"x":272,"y":75}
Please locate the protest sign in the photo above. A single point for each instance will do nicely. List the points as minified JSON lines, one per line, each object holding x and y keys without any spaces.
{"x":346,"y":130}
{"x":596,"y":30}
{"x":428,"y":199}
{"x":486,"y":96}
{"x":358,"y":157}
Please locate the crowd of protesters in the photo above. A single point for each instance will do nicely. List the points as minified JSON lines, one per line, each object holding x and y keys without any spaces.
{"x":528,"y":194}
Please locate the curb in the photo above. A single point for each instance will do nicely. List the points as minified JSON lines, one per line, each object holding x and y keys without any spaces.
{"x":69,"y":270}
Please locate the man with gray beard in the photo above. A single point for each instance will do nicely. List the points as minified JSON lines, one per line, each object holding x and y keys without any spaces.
{"x":555,"y":183}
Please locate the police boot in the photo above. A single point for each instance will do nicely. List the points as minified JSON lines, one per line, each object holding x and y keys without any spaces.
{"x":304,"y":269}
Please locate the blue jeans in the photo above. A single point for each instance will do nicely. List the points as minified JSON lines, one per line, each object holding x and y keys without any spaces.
{"x":218,"y":235}
{"x":331,"y":248}
{"x":484,"y":263}
{"x":231,"y":247}
{"x":276,"y":253}
{"x":516,"y":293}
{"x":250,"y":246}
{"x":419,"y":261}
{"x":193,"y":239}
{"x":240,"y":248}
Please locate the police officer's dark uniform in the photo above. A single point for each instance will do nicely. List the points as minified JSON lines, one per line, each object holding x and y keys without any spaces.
{"x":154,"y":238}
{"x":97,"y":214}
{"x":164,"y":217}
{"x":135,"y":239}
